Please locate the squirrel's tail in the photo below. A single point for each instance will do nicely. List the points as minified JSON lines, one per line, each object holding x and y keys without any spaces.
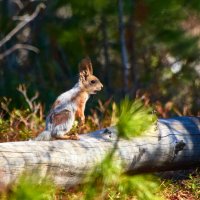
{"x":44,"y":136}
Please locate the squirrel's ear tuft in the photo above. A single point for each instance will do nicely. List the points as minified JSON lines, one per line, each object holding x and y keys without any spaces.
{"x":85,"y":67}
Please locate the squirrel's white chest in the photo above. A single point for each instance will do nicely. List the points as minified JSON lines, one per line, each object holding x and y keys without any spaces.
{"x":73,"y":99}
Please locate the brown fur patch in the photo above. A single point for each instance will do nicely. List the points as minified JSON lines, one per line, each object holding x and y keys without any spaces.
{"x":80,"y":100}
{"x":60,"y":118}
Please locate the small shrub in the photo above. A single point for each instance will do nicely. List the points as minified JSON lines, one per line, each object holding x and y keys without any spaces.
{"x":20,"y":124}
{"x":132,"y":118}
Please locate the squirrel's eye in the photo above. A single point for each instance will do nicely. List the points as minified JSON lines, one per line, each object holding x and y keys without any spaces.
{"x":92,"y":81}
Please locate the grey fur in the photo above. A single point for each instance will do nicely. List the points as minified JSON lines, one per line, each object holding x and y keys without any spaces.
{"x":44,"y":136}
{"x":55,"y":131}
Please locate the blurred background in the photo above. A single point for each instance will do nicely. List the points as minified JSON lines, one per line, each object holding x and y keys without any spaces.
{"x":147,"y":48}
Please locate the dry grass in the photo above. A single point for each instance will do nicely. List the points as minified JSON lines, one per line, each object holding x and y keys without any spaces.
{"x":182,"y":185}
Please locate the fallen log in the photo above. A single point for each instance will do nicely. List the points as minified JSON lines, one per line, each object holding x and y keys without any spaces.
{"x":173,"y":144}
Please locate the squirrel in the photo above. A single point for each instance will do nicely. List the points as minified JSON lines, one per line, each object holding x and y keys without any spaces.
{"x":70,"y":105}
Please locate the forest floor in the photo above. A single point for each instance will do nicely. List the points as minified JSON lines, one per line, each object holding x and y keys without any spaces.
{"x":174,"y":185}
{"x":181,"y":185}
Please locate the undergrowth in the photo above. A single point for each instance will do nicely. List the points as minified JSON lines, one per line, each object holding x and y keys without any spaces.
{"x":23,"y":123}
{"x":28,"y":121}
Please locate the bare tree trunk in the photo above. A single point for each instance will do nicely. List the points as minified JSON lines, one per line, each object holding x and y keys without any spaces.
{"x":132,"y":47}
{"x":105,"y":52}
{"x":174,"y":145}
{"x":124,"y":55}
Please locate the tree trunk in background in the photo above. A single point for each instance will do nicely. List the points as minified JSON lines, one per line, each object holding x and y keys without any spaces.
{"x":132,"y":48}
{"x":124,"y":54}
{"x":105,"y":41}
{"x":175,"y":144}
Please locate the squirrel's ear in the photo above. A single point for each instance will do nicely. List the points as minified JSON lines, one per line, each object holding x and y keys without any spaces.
{"x":85,"y":67}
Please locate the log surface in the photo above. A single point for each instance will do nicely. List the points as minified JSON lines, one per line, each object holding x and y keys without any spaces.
{"x":173,"y":144}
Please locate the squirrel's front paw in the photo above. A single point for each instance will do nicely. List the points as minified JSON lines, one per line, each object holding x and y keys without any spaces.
{"x":68,"y":137}
{"x":74,"y":137}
